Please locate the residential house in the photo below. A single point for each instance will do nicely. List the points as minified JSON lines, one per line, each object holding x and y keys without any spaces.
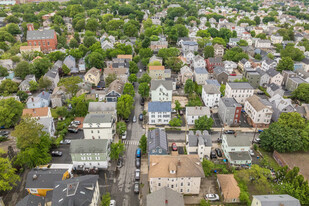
{"x":271,"y":76}
{"x":185,"y":74}
{"x":268,"y":64}
{"x":154,"y":58}
{"x":70,"y":62}
{"x":157,"y":142}
{"x":157,"y":45}
{"x":211,"y":95}
{"x":156,"y":72}
{"x":29,"y":49}
{"x":46,"y":39}
{"x":233,"y":41}
{"x":199,"y":62}
{"x":165,"y":197}
{"x":280,"y":200}
{"x":42,"y":100}
{"x":293,"y":83}
{"x":119,"y":68}
{"x":41,"y":180}
{"x":189,"y":56}
{"x":107,"y":45}
{"x":99,"y":126}
{"x":280,"y":105}
{"x":212,"y":62}
{"x":298,"y":37}
{"x":90,"y":153}
{"x":7,"y":63}
{"x":29,"y":200}
{"x":159,"y":112}
{"x":189,"y":46}
{"x":199,"y":143}
{"x":239,"y":90}
{"x":236,"y":150}
{"x":229,"y":66}
{"x":259,"y":111}
{"x":53,"y":76}
{"x":43,"y":112}
{"x":103,"y":108}
{"x":193,"y":113}
{"x":253,"y":78}
{"x":244,"y":63}
{"x":181,"y":173}
{"x":229,"y":188}
{"x":273,"y":89}
{"x":25,"y":85}
{"x":114,"y":91}
{"x":287,"y":74}
{"x":82,"y":190}
{"x":229,"y":111}
{"x":93,"y":76}
{"x":276,"y":39}
{"x":220,"y":74}
{"x":305,"y":64}
{"x":200,"y":75}
{"x":56,"y":100}
{"x":161,"y":90}
{"x":82,"y":65}
{"x":263,"y":43}
{"x":219,"y":50}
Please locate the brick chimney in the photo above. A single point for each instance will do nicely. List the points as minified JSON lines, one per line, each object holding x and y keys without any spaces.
{"x":30,"y":27}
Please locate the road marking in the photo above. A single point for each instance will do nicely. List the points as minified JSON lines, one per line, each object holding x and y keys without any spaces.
{"x":131,"y":142}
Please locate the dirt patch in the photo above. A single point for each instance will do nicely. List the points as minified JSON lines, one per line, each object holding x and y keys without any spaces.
{"x":10,"y":142}
{"x":182,"y":100}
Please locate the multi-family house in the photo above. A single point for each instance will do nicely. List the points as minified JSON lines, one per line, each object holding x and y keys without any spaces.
{"x":114,"y":91}
{"x":189,"y":55}
{"x":228,"y":188}
{"x":161,"y":90}
{"x":212,"y":62}
{"x":90,"y":153}
{"x":211,"y":95}
{"x":25,"y":85}
{"x":199,"y":62}
{"x":181,"y":173}
{"x":281,"y":200}
{"x":233,"y":41}
{"x":46,"y":39}
{"x":103,"y":108}
{"x":271,"y":76}
{"x":287,"y":74}
{"x":159,"y":112}
{"x":165,"y":196}
{"x":157,"y":142}
{"x":268,"y":64}
{"x":200,"y":75}
{"x":107,"y":45}
{"x":239,"y":90}
{"x":244,"y":63}
{"x":70,"y":62}
{"x":189,"y":46}
{"x":229,"y":66}
{"x":276,"y":39}
{"x":185,"y":74}
{"x":199,"y":143}
{"x":157,"y":72}
{"x":93,"y":76}
{"x":42,"y":100}
{"x":193,"y":113}
{"x":263,"y":43}
{"x":99,"y":126}
{"x":236,"y":150}
{"x":280,"y":105}
{"x":253,"y":78}
{"x":219,"y":50}
{"x":273,"y":89}
{"x":259,"y":111}
{"x":220,"y":74}
{"x":157,"y":45}
{"x":53,"y":76}
{"x":229,"y":111}
{"x":292,"y":83}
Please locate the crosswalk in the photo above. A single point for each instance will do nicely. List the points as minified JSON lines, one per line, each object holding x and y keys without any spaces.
{"x":131,"y":142}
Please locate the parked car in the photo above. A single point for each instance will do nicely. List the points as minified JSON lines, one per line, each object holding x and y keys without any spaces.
{"x":136,"y":187}
{"x":256,"y":140}
{"x":260,"y":93}
{"x":73,"y":130}
{"x":127,"y":120}
{"x":219,"y":140}
{"x":213,"y":155}
{"x":141,"y":117}
{"x":138,"y":153}
{"x":112,"y":203}
{"x":119,"y":163}
{"x":260,"y":130}
{"x":137,"y":174}
{"x":4,"y":132}
{"x":124,"y":135}
{"x":138,"y":162}
{"x":212,"y":197}
{"x":142,"y":101}
{"x":66,"y":141}
{"x":181,"y":112}
{"x":229,"y":132}
{"x":76,"y":122}
{"x":56,"y":153}
{"x":134,"y":119}
{"x":218,"y":151}
{"x":174,"y":146}
{"x":251,"y":152}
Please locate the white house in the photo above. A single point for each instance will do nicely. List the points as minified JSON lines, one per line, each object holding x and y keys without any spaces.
{"x":200,"y":75}
{"x":276,"y":39}
{"x":263,"y":43}
{"x":259,"y":111}
{"x":240,"y":91}
{"x":189,"y":46}
{"x":99,"y":126}
{"x":199,"y":62}
{"x":189,"y":56}
{"x":268,"y":64}
{"x":159,"y":112}
{"x":161,"y":90}
{"x":199,"y":143}
{"x":236,"y":149}
{"x":211,"y":95}
{"x":193,"y":113}
{"x":229,"y":66}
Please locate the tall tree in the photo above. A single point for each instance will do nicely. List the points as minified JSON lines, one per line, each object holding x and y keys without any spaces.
{"x":174,"y":63}
{"x":209,"y":51}
{"x":143,"y":89}
{"x":204,"y":123}
{"x":121,"y":127}
{"x":40,"y":67}
{"x":144,"y":78}
{"x":143,"y":144}
{"x":286,"y":63}
{"x":45,"y":83}
{"x":8,"y":178}
{"x":71,"y":84}
{"x":129,"y":89}
{"x":117,"y":150}
{"x":189,"y":86}
{"x":124,"y":106}
{"x":302,"y":92}
{"x":8,"y":87}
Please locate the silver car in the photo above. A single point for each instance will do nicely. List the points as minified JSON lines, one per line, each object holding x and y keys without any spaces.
{"x":134,"y":119}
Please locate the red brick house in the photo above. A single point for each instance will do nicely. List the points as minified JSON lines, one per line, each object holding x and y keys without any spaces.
{"x":46,"y":39}
{"x":212,"y":62}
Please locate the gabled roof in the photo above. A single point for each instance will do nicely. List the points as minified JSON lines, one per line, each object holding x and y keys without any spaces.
{"x":44,"y":95}
{"x":157,"y":138}
{"x":156,"y":68}
{"x":167,"y":84}
{"x":272,"y":72}
{"x":36,"y":112}
{"x":31,"y":200}
{"x":230,"y":102}
{"x":211,"y":89}
{"x":98,"y":118}
{"x":165,"y":197}
{"x":116,"y":86}
{"x":229,"y":186}
{"x":199,"y":139}
{"x":37,"y":34}
{"x":89,"y":146}
{"x":200,"y":70}
{"x":277,"y":200}
{"x":159,"y":107}
{"x":258,"y":103}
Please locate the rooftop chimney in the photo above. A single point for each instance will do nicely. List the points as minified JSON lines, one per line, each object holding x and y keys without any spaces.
{"x":32,"y":99}
{"x":30,"y":27}
{"x":166,"y":202}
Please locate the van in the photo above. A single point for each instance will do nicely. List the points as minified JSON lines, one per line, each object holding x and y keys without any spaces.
{"x":138,"y":153}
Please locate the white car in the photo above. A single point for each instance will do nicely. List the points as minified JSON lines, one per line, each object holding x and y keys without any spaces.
{"x":112,"y":203}
{"x":212,"y":197}
{"x":124,"y":135}
{"x":251,"y":152}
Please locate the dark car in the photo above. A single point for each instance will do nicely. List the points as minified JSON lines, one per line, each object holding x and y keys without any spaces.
{"x":141,"y":117}
{"x":4,"y":132}
{"x":119,"y":163}
{"x":142,"y":101}
{"x":213,"y":155}
{"x":219,"y":140}
{"x":136,"y":187}
{"x":138,"y":162}
{"x":73,"y":129}
{"x":229,"y":132}
{"x":56,"y":153}
{"x":127,"y":120}
{"x":218,"y":151}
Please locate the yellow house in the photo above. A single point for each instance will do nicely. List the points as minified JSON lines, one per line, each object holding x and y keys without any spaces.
{"x":41,"y":180}
{"x":93,"y":76}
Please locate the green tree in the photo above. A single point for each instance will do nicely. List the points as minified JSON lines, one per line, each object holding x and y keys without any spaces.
{"x":295,"y":53}
{"x":208,"y":167}
{"x":271,"y":56}
{"x":71,"y":84}
{"x":175,"y":122}
{"x":257,"y":20}
{"x":109,"y":79}
{"x":33,"y":86}
{"x":73,"y":43}
{"x":165,"y":53}
{"x":95,"y":59}
{"x":89,"y":41}
{"x":80,"y":25}
{"x":252,"y":33}
{"x":92,"y":24}
{"x":203,"y":202}
{"x":302,"y":92}
{"x":8,"y":178}
{"x":219,"y":40}
{"x":124,"y":106}
{"x":13,"y":29}
{"x":133,"y":68}
{"x":121,"y":127}
{"x":204,"y":123}
{"x":189,"y":86}
{"x":23,"y":96}
{"x":44,"y":83}
{"x":174,"y":63}
{"x":203,"y":33}
{"x":144,"y":78}
{"x":106,"y":199}
{"x":261,"y":36}
{"x":143,"y":89}
{"x":117,"y":150}
{"x":40,"y":67}
{"x":3,"y":71}
{"x":143,"y":144}
{"x":8,"y":87}
{"x":10,"y":112}
{"x":242,"y":43}
{"x":55,"y":56}
{"x":22,"y":69}
{"x":222,"y":89}
{"x":79,"y":105}
{"x":129,"y":89}
{"x":65,"y":69}
{"x":209,"y":51}
{"x":132,"y":78}
{"x":177,"y":106}
{"x":285,"y":63}
{"x":258,"y":56}
{"x":61,"y":112}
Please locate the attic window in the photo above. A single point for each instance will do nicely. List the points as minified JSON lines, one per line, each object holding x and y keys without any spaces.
{"x":172,"y":171}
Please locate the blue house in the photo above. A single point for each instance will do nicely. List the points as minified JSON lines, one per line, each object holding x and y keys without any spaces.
{"x":42,"y":100}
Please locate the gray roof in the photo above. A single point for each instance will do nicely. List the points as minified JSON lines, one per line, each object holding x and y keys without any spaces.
{"x":273,"y":86}
{"x":190,"y":43}
{"x":45,"y":34}
{"x":213,"y":81}
{"x":237,"y":141}
{"x":272,"y":72}
{"x":215,"y":60}
{"x":297,"y":80}
{"x":270,"y":61}
{"x":157,"y":138}
{"x":52,"y":73}
{"x":89,"y":146}
{"x":159,"y":107}
{"x":243,"y":61}
{"x":240,"y":85}
{"x":41,"y":178}
{"x":31,"y":200}
{"x":98,"y":118}
{"x":243,"y":155}
{"x":200,"y":70}
{"x":76,"y":191}
{"x":44,"y":95}
{"x":167,"y":84}
{"x":277,"y":200}
{"x":199,"y":139}
{"x":211,"y":89}
{"x":219,"y":70}
{"x":234,"y":40}
{"x":305,"y":60}
{"x":159,"y":198}
{"x":230,"y":102}
{"x":97,"y":107}
{"x":198,"y":111}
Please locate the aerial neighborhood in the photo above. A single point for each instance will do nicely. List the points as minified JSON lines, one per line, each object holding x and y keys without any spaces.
{"x":150,"y":103}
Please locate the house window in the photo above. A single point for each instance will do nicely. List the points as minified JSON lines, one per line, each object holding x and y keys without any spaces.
{"x":181,"y":184}
{"x":159,"y":184}
{"x":181,"y":190}
{"x":188,"y":183}
{"x":98,"y":131}
{"x":33,"y":191}
{"x":48,"y":43}
{"x":97,"y":158}
{"x":89,"y":158}
{"x":83,"y":158}
{"x":91,"y":131}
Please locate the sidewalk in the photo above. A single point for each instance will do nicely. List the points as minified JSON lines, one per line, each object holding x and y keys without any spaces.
{"x":144,"y":185}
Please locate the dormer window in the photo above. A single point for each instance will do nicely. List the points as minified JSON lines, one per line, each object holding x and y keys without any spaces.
{"x":173,"y":171}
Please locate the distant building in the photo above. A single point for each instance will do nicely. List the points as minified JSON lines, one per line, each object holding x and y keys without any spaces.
{"x":165,"y":197}
{"x":239,"y":90}
{"x":229,"y":111}
{"x":46,"y":39}
{"x":274,"y":200}
{"x":199,"y":143}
